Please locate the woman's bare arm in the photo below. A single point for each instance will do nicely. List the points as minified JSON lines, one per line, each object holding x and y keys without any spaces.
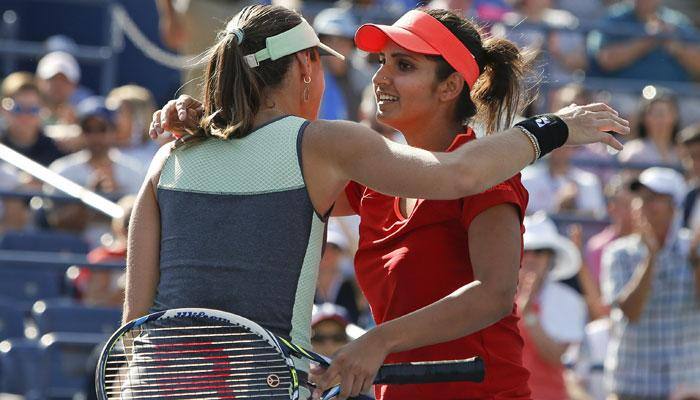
{"x":143,"y":255}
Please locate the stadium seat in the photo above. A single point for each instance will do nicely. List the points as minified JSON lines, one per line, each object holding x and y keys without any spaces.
{"x":11,"y":319}
{"x":65,"y":359}
{"x":19,"y":372}
{"x":65,"y":315}
{"x":43,"y":241}
{"x":29,"y":282}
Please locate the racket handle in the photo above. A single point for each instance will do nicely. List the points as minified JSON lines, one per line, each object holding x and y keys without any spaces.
{"x":469,"y":370}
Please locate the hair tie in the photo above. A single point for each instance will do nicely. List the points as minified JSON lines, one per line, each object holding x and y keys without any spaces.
{"x":238,"y":32}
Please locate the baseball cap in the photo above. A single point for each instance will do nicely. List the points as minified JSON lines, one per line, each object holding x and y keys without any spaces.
{"x":58,"y":62}
{"x":335,"y":21}
{"x":663,"y":181}
{"x":289,"y":42}
{"x":329,"y":311}
{"x":94,"y":106}
{"x":419,"y":32}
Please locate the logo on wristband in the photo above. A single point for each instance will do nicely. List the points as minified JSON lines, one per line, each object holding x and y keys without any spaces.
{"x":542,"y":121}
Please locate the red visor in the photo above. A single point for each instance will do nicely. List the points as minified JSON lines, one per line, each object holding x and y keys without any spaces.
{"x":421,"y":33}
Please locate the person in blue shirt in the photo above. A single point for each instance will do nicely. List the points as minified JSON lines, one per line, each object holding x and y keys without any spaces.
{"x":644,"y":40}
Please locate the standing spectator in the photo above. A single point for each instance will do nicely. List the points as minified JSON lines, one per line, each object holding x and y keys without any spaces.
{"x":190,"y":27}
{"x":690,"y":151}
{"x":649,"y":281}
{"x":557,"y":186}
{"x":344,"y":80}
{"x":332,"y":285}
{"x":59,"y":76}
{"x":658,"y":123}
{"x":134,"y":107}
{"x":21,"y":109}
{"x":619,"y":207}
{"x":642,"y":39}
{"x":553,"y":314}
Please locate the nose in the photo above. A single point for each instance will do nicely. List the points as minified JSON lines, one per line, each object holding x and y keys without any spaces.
{"x":380,"y":77}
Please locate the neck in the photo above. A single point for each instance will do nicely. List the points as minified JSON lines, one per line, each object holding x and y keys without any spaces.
{"x":661,"y":142}
{"x":434,"y":134}
{"x":99,"y":157}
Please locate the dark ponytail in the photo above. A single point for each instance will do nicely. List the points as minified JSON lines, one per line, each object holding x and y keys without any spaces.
{"x":233,"y":91}
{"x":498,"y":94}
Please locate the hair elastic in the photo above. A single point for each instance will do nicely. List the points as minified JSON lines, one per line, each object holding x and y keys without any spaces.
{"x":238,"y":32}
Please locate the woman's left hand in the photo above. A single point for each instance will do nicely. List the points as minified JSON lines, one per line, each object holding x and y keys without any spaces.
{"x":354,"y":365}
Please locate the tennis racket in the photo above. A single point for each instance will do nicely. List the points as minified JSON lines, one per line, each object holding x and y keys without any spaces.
{"x":196,"y":353}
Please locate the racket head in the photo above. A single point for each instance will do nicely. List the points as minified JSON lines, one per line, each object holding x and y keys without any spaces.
{"x":189,"y":353}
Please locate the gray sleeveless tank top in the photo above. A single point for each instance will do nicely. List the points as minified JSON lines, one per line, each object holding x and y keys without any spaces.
{"x":238,"y":230}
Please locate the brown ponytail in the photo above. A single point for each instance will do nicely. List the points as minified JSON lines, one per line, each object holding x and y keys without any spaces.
{"x":233,"y":91}
{"x":498,"y":94}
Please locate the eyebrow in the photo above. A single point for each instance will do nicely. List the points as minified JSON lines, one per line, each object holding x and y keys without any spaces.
{"x":399,"y":54}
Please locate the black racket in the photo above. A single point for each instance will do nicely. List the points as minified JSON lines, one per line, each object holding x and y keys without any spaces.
{"x":196,"y":353}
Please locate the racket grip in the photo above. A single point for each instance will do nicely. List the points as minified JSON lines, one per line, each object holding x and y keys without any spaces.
{"x":469,"y":370}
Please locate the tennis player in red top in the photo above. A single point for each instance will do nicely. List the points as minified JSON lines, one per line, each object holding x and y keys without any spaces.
{"x":456,"y":261}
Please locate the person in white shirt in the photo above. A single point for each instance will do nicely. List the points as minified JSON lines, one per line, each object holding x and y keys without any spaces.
{"x":556,"y":186}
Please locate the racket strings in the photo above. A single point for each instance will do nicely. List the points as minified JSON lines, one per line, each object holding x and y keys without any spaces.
{"x":195,"y":361}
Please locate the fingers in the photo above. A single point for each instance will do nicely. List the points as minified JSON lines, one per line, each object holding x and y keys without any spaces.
{"x":611,"y":125}
{"x":168,"y":115}
{"x":599,"y":107}
{"x":346,"y":386}
{"x":326,"y":379}
{"x":155,"y":128}
{"x":186,"y":105}
{"x":611,"y":141}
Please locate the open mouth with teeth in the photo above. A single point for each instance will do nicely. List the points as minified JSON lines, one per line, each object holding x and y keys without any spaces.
{"x":385,"y":98}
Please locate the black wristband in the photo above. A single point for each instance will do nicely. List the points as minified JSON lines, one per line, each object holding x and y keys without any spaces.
{"x":549,"y":130}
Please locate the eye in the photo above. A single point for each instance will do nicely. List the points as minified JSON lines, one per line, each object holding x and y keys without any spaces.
{"x":405,"y":66}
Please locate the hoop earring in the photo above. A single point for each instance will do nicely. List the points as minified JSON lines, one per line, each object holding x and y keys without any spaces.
{"x":307,"y":81}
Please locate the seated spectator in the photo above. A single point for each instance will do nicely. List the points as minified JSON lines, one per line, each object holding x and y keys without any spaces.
{"x":565,"y":50}
{"x":59,"y":79}
{"x":553,"y":315}
{"x":344,"y":80}
{"x":658,"y":123}
{"x":100,"y":166}
{"x":14,"y":212}
{"x":557,"y":186}
{"x":641,"y":39}
{"x":690,"y":154}
{"x":650,"y":279}
{"x":21,"y":109}
{"x":333,"y":286}
{"x":328,"y":324}
{"x":106,"y":287}
{"x":134,"y":107}
{"x":597,"y":152}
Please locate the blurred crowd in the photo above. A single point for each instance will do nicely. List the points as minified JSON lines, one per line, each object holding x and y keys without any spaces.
{"x":609,"y":292}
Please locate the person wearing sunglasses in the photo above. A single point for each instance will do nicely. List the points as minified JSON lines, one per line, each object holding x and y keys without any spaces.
{"x":21,"y":107}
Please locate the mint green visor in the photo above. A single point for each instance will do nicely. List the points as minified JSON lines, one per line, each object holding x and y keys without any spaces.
{"x":289,"y":42}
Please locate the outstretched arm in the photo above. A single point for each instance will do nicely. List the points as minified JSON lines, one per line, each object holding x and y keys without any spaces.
{"x":494,"y":246}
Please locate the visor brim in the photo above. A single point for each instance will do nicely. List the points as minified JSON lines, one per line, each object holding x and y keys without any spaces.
{"x":326,"y":50}
{"x":373,"y":37}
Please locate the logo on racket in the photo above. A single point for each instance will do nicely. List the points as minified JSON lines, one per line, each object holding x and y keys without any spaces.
{"x":273,"y":380}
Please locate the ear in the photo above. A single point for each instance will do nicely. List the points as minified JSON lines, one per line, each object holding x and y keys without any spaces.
{"x":303,"y":58}
{"x":450,"y":88}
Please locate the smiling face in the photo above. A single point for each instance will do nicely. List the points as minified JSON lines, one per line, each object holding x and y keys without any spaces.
{"x":405,"y":87}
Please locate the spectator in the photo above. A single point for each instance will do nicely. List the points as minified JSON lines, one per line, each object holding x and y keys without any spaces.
{"x":644,"y":40}
{"x":134,"y":107}
{"x":106,"y":287}
{"x":14,"y":212}
{"x":648,"y":279}
{"x":100,"y":166}
{"x":658,"y":123}
{"x":577,"y":94}
{"x":332,"y":284}
{"x":21,"y":109}
{"x":690,"y":151}
{"x":190,"y":27}
{"x":591,"y":357}
{"x":544,"y":30}
{"x":344,"y":80}
{"x":619,"y":200}
{"x":557,"y":186}
{"x":328,"y":324}
{"x":553,"y":314}
{"x":59,"y":77}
